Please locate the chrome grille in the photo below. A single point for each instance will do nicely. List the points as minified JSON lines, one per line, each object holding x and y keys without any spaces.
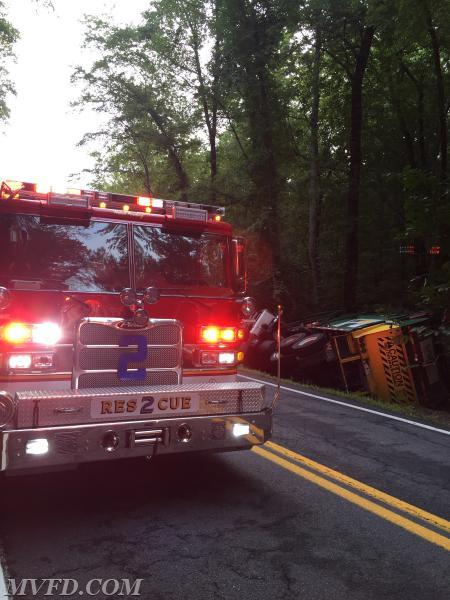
{"x":158,"y":358}
{"x":102,"y":379}
{"x":98,"y":352}
{"x":106,"y":333}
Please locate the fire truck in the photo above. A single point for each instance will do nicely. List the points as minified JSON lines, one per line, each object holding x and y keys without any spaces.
{"x":120,"y":330}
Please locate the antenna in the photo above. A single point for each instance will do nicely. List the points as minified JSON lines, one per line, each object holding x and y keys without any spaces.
{"x":278,"y":391}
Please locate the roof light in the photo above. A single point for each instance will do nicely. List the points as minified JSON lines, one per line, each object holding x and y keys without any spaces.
{"x":217,"y":218}
{"x":42,"y":188}
{"x":59,"y":199}
{"x":144,"y":201}
{"x":14,"y":185}
{"x":157,"y":203}
{"x":73,"y":192}
{"x":17,"y":333}
{"x":191,"y":214}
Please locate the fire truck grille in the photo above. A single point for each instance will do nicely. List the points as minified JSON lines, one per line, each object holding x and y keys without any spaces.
{"x":108,"y":354}
{"x":95,"y":380}
{"x":157,"y":358}
{"x":101,"y":334}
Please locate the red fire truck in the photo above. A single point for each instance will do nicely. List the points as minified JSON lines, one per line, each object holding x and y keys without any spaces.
{"x":120,"y":329}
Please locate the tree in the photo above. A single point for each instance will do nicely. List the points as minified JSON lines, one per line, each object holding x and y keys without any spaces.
{"x":251,"y":36}
{"x":318,"y":125}
{"x":315,"y":193}
{"x":131,"y":86}
{"x":443,"y":107}
{"x":8,"y":37}
{"x":349,"y":38}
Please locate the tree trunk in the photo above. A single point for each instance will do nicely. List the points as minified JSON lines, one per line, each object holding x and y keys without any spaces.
{"x":172,"y":153}
{"x":421,"y":111}
{"x":418,"y":84}
{"x":442,"y":111}
{"x":209,"y":113}
{"x":354,"y":177}
{"x":183,"y":180}
{"x":147,"y":178}
{"x":314,"y":186}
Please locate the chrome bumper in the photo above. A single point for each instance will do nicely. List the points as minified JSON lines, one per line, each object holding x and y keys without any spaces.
{"x":74,"y":433}
{"x":85,"y":443}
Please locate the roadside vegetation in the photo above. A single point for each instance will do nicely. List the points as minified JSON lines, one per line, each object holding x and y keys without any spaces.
{"x":416,"y":412}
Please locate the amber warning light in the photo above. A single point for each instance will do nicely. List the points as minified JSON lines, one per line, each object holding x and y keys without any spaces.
{"x":46,"y":334}
{"x":213,"y":334}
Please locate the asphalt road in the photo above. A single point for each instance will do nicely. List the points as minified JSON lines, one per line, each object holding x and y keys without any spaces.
{"x":244,"y":525}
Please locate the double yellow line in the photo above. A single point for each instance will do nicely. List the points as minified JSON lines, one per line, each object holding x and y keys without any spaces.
{"x":334,"y":482}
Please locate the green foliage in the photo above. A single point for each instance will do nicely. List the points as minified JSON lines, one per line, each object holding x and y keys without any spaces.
{"x":211,"y":100}
{"x":8,"y":37}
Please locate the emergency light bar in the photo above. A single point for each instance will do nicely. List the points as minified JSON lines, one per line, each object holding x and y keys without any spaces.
{"x":173,"y":209}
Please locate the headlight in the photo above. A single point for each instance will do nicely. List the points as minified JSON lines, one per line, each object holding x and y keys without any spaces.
{"x":47,"y":334}
{"x":19,"y":361}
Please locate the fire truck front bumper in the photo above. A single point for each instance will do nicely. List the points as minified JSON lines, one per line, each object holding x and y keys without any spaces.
{"x":78,"y":426}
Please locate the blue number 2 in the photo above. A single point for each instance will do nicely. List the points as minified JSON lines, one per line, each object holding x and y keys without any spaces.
{"x":141,"y":354}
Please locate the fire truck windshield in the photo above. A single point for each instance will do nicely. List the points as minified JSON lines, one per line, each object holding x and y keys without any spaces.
{"x":42,"y":254}
{"x":166,"y":259}
{"x":89,"y":257}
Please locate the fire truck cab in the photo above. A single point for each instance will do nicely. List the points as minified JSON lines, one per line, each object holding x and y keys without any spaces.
{"x":120,"y":329}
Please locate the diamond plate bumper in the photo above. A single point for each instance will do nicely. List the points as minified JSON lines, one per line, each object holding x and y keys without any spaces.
{"x":76,"y":444}
{"x":43,"y":408}
{"x":64,"y":418}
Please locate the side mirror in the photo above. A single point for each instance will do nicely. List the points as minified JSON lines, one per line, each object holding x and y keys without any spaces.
{"x":239,"y":267}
